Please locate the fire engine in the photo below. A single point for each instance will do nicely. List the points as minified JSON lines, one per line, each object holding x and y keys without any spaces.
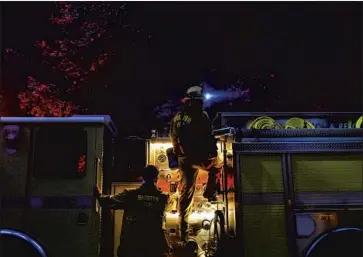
{"x":48,"y":168}
{"x":290,"y":182}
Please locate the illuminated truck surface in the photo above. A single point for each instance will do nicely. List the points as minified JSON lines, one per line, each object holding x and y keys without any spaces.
{"x":290,"y":182}
{"x":48,"y":167}
{"x":295,"y":182}
{"x":298,"y":183}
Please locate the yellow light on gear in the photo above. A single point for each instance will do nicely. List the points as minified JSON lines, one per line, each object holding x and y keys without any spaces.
{"x":358,"y":124}
{"x":264,"y":122}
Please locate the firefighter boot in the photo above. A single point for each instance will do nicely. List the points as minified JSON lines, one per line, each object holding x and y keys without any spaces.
{"x":213,"y":186}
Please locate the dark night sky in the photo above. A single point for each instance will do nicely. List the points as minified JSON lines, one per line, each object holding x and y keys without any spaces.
{"x":313,"y":48}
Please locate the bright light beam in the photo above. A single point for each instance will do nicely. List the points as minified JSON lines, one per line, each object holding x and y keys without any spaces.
{"x":207,"y":96}
{"x":212,"y":96}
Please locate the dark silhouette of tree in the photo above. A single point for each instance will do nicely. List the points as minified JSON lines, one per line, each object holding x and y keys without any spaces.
{"x":65,"y":70}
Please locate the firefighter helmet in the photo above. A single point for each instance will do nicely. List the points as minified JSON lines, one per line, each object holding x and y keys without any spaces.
{"x":193,"y":93}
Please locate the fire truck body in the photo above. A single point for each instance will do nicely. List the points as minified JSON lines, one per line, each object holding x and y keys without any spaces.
{"x":46,"y":199}
{"x":289,"y":180}
{"x":295,"y":186}
{"x":297,"y":178}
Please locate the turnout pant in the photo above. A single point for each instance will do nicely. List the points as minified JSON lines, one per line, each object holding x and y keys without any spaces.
{"x":188,"y":169}
{"x":144,"y":244}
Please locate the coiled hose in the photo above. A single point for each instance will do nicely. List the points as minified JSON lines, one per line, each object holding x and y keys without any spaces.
{"x":359,"y":122}
{"x":264,"y":122}
{"x":298,"y":123}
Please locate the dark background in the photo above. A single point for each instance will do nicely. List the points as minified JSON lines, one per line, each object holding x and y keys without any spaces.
{"x":313,"y":49}
{"x":307,"y":54}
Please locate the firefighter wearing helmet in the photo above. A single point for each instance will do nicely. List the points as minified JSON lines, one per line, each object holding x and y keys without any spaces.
{"x":195,"y":146}
{"x":143,"y":219}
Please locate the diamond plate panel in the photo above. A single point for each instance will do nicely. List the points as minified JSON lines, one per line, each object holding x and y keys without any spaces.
{"x":265,"y":133}
{"x":298,"y":147}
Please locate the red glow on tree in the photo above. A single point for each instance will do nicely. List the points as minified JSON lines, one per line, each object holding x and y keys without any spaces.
{"x":66,"y":14}
{"x":67,"y":55}
{"x":42,"y":100}
{"x":81,"y":32}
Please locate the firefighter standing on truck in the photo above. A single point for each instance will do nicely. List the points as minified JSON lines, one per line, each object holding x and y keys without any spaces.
{"x":196,"y":148}
{"x":143,"y":233}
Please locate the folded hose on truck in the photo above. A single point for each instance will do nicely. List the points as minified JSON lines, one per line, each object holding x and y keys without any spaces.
{"x":264,"y":122}
{"x":298,"y":123}
{"x":359,"y":122}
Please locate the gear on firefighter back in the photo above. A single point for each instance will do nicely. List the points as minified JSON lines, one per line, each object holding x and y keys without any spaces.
{"x":143,"y":221}
{"x":196,"y":148}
